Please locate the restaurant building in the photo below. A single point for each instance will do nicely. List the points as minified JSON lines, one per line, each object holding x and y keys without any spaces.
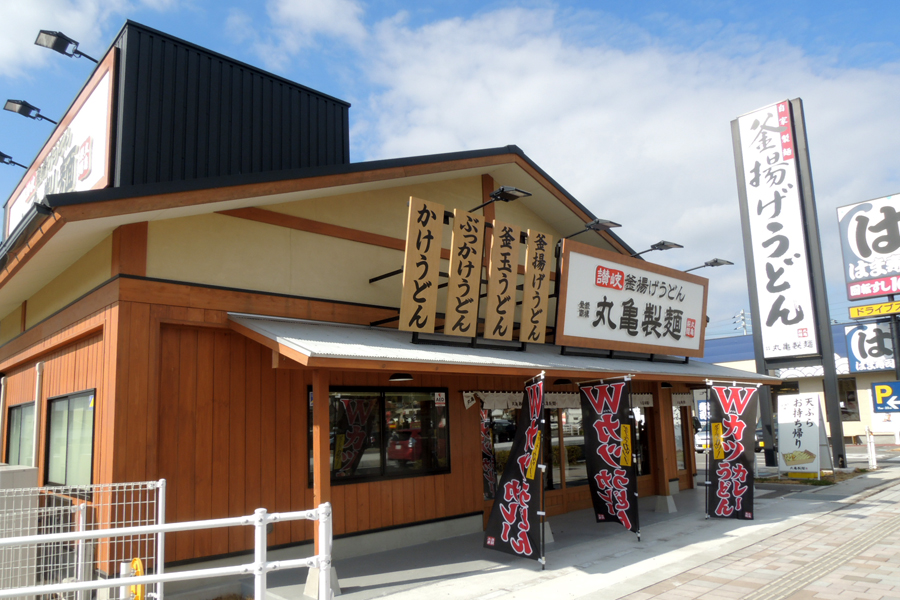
{"x":198,"y":284}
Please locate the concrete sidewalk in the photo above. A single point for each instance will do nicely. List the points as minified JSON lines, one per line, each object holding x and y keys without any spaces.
{"x":827,"y":531}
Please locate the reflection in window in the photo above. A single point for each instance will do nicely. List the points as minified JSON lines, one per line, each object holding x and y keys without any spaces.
{"x":679,"y":437}
{"x":20,"y":440}
{"x":378,"y":434}
{"x":573,"y":434}
{"x":643,"y":428}
{"x":849,"y":399}
{"x":70,"y":449}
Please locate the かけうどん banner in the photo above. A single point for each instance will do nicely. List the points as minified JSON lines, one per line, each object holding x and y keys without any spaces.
{"x":514,"y":524}
{"x":733,"y":413}
{"x":609,"y":453}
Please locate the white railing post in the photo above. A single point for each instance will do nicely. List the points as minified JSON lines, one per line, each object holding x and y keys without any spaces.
{"x":870,"y":447}
{"x":325,"y":551}
{"x":259,"y":566}
{"x":81,"y":548}
{"x":161,"y":536}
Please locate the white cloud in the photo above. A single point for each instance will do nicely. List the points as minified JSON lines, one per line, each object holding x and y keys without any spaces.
{"x":639,"y":136}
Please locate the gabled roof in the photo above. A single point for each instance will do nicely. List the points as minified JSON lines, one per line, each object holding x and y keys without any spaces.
{"x":80,"y":220}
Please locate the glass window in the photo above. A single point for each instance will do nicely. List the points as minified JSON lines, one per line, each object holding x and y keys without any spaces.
{"x":573,"y":436}
{"x":71,"y":440}
{"x":849,"y":400}
{"x":643,"y":433}
{"x":394,"y":433}
{"x":677,"y":412}
{"x":20,"y":439}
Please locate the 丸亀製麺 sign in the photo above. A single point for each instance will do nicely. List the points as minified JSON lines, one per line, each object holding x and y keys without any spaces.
{"x":611,"y":301}
{"x":76,"y":157}
{"x":536,"y":289}
{"x":501,"y":291}
{"x":774,"y":216}
{"x":870,"y":247}
{"x":464,"y":286}
{"x":421,"y":263}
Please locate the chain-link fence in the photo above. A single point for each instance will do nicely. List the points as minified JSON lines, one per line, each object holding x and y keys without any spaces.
{"x":58,"y":509}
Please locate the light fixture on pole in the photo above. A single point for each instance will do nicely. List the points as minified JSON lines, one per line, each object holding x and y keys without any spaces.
{"x":716,"y":262}
{"x":505,"y":193}
{"x":26,"y":110}
{"x":595,"y":225}
{"x":660,"y":245}
{"x":6,"y":159}
{"x":61,"y":43}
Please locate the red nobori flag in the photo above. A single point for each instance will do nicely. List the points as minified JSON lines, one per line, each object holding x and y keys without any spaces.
{"x":733,"y":411}
{"x":514,"y":525}
{"x":609,"y":455}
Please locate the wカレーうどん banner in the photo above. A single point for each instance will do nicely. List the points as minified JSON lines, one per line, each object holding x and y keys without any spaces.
{"x":733,"y":414}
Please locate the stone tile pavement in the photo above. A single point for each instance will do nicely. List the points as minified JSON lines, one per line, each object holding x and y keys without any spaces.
{"x":850,"y":553}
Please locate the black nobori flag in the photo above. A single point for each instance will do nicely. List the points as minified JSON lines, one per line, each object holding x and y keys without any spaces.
{"x":732,"y":426}
{"x":608,"y":452}
{"x":514,"y":525}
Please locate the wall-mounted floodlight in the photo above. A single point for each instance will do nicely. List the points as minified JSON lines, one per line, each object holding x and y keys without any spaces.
{"x":595,"y":225}
{"x":26,"y":110}
{"x":400,"y":377}
{"x":716,"y":262}
{"x":660,"y":245}
{"x":6,"y":159}
{"x":61,"y":43}
{"x":506,"y":193}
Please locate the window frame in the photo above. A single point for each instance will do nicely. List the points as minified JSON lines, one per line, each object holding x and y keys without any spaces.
{"x":49,"y":408}
{"x":382,"y":392}
{"x":9,"y":413}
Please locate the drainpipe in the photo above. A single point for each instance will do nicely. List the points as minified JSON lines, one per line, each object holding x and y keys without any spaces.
{"x":38,"y":376}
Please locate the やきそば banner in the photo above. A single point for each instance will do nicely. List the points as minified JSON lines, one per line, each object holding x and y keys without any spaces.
{"x":514,"y":524}
{"x":733,"y":414}
{"x":615,"y":302}
{"x":609,"y":454}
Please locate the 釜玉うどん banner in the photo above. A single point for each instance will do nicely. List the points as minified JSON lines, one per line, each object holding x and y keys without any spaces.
{"x":772,"y":212}
{"x":608,"y":448}
{"x":733,"y":413}
{"x":514,"y":524}
{"x":611,"y":301}
{"x":870,"y":247}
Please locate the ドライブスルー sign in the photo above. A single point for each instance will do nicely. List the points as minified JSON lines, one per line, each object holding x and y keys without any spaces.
{"x":732,"y":425}
{"x":514,"y":525}
{"x":609,"y":453}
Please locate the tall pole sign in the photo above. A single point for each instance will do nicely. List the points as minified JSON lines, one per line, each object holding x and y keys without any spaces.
{"x":785,"y":273}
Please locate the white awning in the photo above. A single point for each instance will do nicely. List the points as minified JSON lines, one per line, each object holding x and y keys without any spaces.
{"x":334,"y":345}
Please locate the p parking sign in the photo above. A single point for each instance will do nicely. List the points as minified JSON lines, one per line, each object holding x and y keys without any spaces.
{"x":886,"y":396}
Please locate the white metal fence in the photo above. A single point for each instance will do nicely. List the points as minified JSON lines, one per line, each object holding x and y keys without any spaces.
{"x":111,"y":545}
{"x":37,"y":513}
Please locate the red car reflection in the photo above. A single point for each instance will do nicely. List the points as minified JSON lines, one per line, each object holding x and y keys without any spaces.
{"x":405,"y":446}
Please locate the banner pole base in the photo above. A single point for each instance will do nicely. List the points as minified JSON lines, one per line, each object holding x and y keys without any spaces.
{"x":638,"y":532}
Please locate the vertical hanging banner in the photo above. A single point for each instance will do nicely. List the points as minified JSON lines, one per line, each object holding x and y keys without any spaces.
{"x":535,"y":292}
{"x":501,"y":292}
{"x":733,"y":414}
{"x":514,"y":525}
{"x":353,"y":439}
{"x":421,"y":263}
{"x":464,"y":287}
{"x":487,"y":457}
{"x":609,"y":452}
{"x":771,"y":211}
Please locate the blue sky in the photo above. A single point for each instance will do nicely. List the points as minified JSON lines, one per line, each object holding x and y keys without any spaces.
{"x":626,"y":104}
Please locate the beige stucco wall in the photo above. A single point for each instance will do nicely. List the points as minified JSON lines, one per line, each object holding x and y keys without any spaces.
{"x":11,"y":325}
{"x":88,"y":272}
{"x":238,"y":253}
